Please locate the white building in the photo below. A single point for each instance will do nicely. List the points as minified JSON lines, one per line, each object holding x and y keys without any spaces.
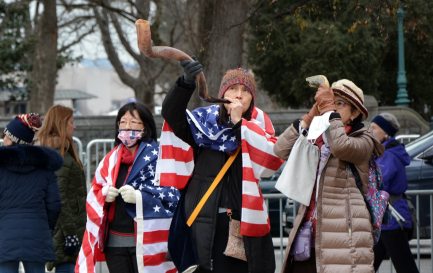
{"x":96,"y":78}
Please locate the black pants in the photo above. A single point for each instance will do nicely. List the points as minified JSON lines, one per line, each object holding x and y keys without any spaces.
{"x":395,"y":244}
{"x":308,"y":266}
{"x":121,"y":259}
{"x":221,"y":262}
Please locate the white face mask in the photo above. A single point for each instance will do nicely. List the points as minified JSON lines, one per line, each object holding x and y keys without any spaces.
{"x":130,"y":138}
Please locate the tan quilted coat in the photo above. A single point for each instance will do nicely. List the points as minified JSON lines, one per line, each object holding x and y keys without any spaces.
{"x":344,"y":242}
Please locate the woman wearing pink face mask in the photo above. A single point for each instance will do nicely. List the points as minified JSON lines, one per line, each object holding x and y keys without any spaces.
{"x":124,"y":206}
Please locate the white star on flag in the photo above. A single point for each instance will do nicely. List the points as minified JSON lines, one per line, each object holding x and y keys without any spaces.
{"x":161,"y":195}
{"x":209,"y":110}
{"x":222,"y":148}
{"x":199,"y":135}
{"x":156,"y":208}
{"x":224,"y":137}
{"x":147,"y":158}
{"x":233,"y":138}
{"x":170,"y":195}
{"x":154,"y":152}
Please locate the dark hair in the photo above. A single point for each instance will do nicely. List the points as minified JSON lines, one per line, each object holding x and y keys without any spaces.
{"x":223,"y":117}
{"x":145,"y":116}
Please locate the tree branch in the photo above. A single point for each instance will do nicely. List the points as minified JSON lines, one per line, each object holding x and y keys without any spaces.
{"x":102,"y":21}
{"x":122,"y":37}
{"x":77,"y":40}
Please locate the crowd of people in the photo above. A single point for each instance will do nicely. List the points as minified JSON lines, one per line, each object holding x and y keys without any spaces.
{"x":191,"y":203}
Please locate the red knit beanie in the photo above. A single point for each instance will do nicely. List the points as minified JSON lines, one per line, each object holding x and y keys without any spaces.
{"x":238,"y":76}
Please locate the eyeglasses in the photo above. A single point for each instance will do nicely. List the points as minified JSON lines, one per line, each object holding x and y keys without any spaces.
{"x":340,"y":104}
{"x":131,"y":123}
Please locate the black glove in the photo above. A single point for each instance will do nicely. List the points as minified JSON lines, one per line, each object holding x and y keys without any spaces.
{"x":72,"y":245}
{"x":191,"y":68}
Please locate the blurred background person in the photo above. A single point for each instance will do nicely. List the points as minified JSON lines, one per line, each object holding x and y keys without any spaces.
{"x":29,"y":197}
{"x":56,"y":132}
{"x":397,"y":228}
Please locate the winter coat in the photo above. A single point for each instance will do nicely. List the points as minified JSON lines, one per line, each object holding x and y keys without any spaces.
{"x":29,"y":202}
{"x":259,"y":250}
{"x":72,"y":218}
{"x":343,"y":238}
{"x":392,"y":164}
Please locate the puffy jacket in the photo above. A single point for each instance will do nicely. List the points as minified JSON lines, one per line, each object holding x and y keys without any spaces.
{"x":343,"y":238}
{"x":29,"y":202}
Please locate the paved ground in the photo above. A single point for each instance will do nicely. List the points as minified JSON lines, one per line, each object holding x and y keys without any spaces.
{"x":425,"y":265}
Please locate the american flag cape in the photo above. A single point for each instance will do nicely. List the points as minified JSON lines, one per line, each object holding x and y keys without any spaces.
{"x":152,"y":212}
{"x":176,"y":160}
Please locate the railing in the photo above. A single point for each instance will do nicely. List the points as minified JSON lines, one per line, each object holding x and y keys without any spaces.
{"x":407,"y":138}
{"x":95,"y":151}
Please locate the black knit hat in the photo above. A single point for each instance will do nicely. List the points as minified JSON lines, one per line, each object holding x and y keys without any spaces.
{"x":386,"y":126}
{"x":21,"y":129}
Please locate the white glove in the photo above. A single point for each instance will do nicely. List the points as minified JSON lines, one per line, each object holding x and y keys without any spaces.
{"x":128,"y":194}
{"x":112,"y":193}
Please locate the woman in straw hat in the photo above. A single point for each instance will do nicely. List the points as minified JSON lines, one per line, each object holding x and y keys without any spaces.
{"x":341,"y":231}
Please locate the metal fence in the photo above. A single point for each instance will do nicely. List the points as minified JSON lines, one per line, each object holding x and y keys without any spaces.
{"x":407,"y":138}
{"x":421,"y":248}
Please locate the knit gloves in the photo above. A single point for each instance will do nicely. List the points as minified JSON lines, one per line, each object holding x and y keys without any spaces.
{"x":190,"y":68}
{"x":72,"y":245}
{"x":112,"y":193}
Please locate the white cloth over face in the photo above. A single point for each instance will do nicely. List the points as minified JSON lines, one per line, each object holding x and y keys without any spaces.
{"x":318,"y":126}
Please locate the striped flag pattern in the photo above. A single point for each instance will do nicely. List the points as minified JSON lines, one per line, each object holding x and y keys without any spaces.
{"x":176,"y":161}
{"x":152,"y":212}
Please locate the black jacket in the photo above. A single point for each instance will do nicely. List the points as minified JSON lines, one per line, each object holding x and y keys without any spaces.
{"x":208,"y":163}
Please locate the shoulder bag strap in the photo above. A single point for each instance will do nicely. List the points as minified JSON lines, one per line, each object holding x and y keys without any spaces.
{"x":212,"y":187}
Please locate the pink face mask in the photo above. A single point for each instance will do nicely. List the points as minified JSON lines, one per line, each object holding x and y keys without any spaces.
{"x":129,"y":138}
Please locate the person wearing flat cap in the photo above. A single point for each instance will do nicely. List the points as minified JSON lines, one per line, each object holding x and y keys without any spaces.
{"x":29,"y":197}
{"x":396,"y":230}
{"x":341,"y":232}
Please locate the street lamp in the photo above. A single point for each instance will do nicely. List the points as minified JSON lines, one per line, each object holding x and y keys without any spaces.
{"x":402,"y":98}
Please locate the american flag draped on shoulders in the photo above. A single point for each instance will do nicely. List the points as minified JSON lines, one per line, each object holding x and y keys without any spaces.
{"x":176,"y":160}
{"x":152,"y":212}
